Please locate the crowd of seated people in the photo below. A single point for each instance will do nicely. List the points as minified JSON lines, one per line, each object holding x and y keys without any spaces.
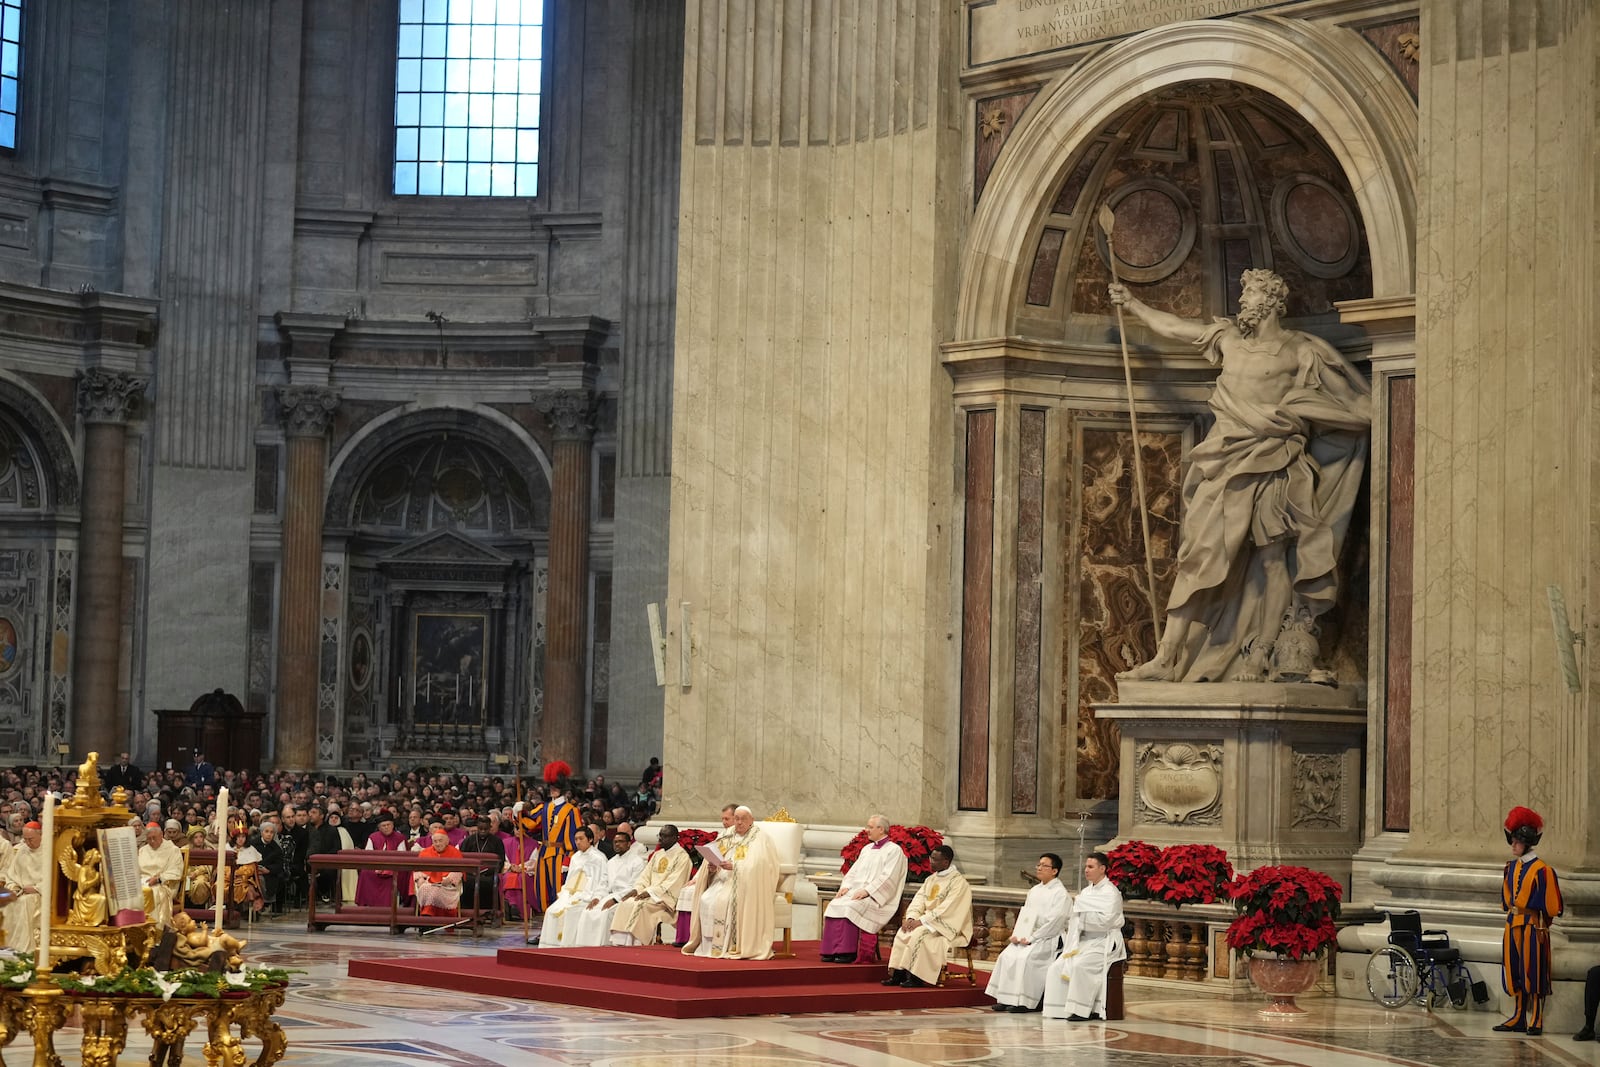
{"x":278,"y":820}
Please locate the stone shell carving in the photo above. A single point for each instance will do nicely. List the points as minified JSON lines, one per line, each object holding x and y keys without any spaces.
{"x":1318,"y":791}
{"x":1179,"y":782}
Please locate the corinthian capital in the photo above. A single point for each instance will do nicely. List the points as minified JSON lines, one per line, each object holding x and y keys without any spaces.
{"x":108,"y":396}
{"x":306,"y":410}
{"x":570,"y":413}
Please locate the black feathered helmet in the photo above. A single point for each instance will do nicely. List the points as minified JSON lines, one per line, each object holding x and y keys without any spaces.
{"x":1524,"y":824}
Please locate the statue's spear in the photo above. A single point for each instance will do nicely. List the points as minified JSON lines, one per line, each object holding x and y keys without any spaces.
{"x":1108,"y":222}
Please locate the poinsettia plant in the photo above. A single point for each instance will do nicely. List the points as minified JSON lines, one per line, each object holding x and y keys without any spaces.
{"x":1191,"y":874}
{"x":1130,"y":867}
{"x":915,"y":841}
{"x":1284,"y":910}
{"x":691,"y":839}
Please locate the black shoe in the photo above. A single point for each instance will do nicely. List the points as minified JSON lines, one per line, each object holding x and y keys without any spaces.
{"x":1001,"y":1007}
{"x":1510,"y":1028}
{"x":1586,"y":1034}
{"x":1077,"y":1018}
{"x":1018,"y":1009}
{"x":1535,"y":1031}
{"x":895,"y":976}
{"x":911,"y":981}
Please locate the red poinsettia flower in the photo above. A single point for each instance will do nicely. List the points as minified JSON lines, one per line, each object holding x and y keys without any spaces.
{"x":1284,"y":909}
{"x":915,"y":841}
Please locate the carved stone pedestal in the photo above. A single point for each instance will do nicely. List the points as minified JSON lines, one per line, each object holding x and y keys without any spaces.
{"x":1270,"y":772}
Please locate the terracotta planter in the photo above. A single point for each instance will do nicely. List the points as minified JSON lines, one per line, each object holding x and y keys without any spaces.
{"x":1282,"y":980}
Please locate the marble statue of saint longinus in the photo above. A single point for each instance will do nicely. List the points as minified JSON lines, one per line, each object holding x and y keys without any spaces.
{"x":1268,"y":494}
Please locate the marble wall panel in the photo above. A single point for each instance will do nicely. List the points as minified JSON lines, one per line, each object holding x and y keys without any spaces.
{"x":1109,"y":599}
{"x":1399,"y":601}
{"x":977,"y":596}
{"x":1029,"y":600}
{"x":995,"y":118}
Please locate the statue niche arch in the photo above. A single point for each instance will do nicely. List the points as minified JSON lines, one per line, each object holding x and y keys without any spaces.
{"x":443,"y":520}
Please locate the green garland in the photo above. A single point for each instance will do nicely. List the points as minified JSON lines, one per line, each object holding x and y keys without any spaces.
{"x":18,"y":970}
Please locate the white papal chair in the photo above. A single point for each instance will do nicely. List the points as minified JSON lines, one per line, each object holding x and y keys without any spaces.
{"x":787,"y":838}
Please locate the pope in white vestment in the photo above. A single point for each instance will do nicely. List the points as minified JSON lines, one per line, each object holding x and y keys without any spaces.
{"x":938,"y":919}
{"x":24,"y":874}
{"x":868,"y":897}
{"x":161,"y":870}
{"x":1017,"y":983}
{"x":586,"y":881}
{"x":593,"y":923}
{"x":641,"y":911}
{"x":735,"y":905}
{"x":1075,"y":985}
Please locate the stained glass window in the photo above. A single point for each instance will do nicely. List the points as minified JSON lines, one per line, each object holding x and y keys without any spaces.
{"x":466,"y":102}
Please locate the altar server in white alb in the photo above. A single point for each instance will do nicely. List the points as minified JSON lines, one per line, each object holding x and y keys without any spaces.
{"x":1017,"y":983}
{"x":622,"y":870}
{"x":1075,"y":988}
{"x":586,"y":881}
{"x":867,"y":898}
{"x":938,"y":919}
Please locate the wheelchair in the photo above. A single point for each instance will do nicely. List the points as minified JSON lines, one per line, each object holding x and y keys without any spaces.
{"x":1418,"y":965}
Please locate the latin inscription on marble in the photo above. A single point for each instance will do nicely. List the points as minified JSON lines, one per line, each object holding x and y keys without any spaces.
{"x":1009,"y":29}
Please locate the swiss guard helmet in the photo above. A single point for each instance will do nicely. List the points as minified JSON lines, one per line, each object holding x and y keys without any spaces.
{"x":1524,"y":824}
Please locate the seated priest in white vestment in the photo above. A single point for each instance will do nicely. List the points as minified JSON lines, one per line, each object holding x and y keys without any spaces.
{"x":24,"y":873}
{"x":868,"y":897}
{"x":161,"y":871}
{"x":654,"y":895}
{"x":735,"y":895}
{"x":1017,"y":983}
{"x":622,"y":870}
{"x":586,"y":881}
{"x":938,"y":919}
{"x":1075,"y":985}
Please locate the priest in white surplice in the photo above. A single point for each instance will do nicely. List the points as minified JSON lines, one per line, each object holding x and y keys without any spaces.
{"x":868,"y":897}
{"x":654,"y":896}
{"x":586,"y":881}
{"x":161,"y":870}
{"x":593,"y":923}
{"x":24,"y":874}
{"x":1075,"y":985}
{"x":1017,"y":983}
{"x":735,"y":905}
{"x":938,"y":919}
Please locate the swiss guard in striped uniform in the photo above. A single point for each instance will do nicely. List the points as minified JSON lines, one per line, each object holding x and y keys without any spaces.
{"x":553,"y":822}
{"x":1531,"y":898}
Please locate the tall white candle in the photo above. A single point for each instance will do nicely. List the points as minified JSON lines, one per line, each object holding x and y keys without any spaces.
{"x":47,"y":839}
{"x":220,"y":904}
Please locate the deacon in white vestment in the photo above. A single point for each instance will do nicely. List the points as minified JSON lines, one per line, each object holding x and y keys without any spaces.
{"x":938,"y":919}
{"x":586,"y":881}
{"x":24,"y":874}
{"x":654,"y":896}
{"x":735,"y":904}
{"x":868,"y":897}
{"x":161,"y":871}
{"x":1075,"y":985}
{"x":622,"y":870}
{"x":1017,"y":983}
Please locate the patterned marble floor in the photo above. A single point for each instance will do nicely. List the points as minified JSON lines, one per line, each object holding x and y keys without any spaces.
{"x":336,"y":1021}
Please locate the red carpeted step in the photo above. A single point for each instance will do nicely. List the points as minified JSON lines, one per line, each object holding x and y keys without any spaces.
{"x":759,"y":994}
{"x":663,"y":963}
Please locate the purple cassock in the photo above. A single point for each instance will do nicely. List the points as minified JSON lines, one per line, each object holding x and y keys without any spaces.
{"x":511,"y":886}
{"x":374,"y":887}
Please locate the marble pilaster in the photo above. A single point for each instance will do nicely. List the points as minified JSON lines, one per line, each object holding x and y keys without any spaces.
{"x":106,"y":401}
{"x":306,"y":413}
{"x":570,"y":414}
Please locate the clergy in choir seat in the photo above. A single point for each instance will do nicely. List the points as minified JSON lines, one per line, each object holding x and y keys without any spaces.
{"x":1075,"y":984}
{"x":438,"y":892}
{"x":593,"y":924}
{"x":735,"y":908}
{"x":161,"y":870}
{"x":24,"y":873}
{"x":654,"y":895}
{"x":586,"y":881}
{"x":938,"y":919}
{"x":1017,"y":983}
{"x":867,"y":898}
{"x":375,"y":889}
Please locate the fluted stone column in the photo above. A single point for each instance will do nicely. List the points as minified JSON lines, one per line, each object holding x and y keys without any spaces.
{"x":105,"y":400}
{"x":306,"y":411}
{"x":570,"y":414}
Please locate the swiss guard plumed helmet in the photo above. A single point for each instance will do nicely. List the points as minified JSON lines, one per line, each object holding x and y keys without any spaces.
{"x":1524,"y":824}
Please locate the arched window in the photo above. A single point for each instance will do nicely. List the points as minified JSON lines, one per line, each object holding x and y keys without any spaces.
{"x":466,"y":104}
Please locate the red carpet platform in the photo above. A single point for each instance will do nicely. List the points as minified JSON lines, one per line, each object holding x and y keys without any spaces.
{"x":662,"y":981}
